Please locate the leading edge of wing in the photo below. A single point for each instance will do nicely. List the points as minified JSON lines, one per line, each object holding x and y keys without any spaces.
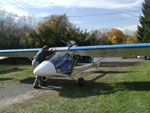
{"x":19,"y":50}
{"x":118,"y":46}
{"x":26,"y":52}
{"x":32,"y":50}
{"x":120,"y":50}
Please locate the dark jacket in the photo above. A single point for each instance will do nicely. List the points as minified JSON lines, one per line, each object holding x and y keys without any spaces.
{"x":42,"y":54}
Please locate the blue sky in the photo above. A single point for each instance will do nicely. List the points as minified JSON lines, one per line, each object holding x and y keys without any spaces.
{"x":121,"y":14}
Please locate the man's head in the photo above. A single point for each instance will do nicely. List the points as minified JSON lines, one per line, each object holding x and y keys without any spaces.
{"x":45,"y":47}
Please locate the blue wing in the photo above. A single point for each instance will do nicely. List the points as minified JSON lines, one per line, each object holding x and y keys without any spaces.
{"x":19,"y":52}
{"x":26,"y":52}
{"x":142,"y":49}
{"x":120,"y":50}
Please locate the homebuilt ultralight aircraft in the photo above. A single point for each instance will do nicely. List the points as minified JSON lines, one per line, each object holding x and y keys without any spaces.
{"x":63,"y":62}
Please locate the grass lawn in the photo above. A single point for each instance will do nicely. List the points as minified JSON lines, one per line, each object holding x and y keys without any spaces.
{"x":124,"y":89}
{"x":10,"y":73}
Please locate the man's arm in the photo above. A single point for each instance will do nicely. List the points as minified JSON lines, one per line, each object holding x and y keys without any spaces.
{"x":50,"y":53}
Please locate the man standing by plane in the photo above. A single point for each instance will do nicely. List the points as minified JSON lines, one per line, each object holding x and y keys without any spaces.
{"x":38,"y":58}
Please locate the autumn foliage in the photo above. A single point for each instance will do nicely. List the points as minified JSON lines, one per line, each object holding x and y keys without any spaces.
{"x":116,"y":36}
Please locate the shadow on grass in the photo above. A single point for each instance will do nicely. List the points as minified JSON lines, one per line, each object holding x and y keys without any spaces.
{"x":10,"y":70}
{"x":103,"y":73}
{"x":5,"y":79}
{"x":112,"y":72}
{"x":133,"y":86}
{"x":68,"y":88}
{"x":117,"y":64}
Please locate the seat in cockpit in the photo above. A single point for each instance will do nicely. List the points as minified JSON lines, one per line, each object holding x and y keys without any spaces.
{"x":62,"y":61}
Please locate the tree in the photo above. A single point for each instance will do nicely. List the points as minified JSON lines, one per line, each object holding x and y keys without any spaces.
{"x":115,"y":40}
{"x":144,"y":27}
{"x":14,"y":30}
{"x":132,"y":39}
{"x":116,"y":36}
{"x":104,"y":41}
{"x":56,"y":28}
{"x":117,"y":33}
{"x":99,"y":37}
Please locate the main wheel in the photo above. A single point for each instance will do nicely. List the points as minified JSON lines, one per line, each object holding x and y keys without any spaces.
{"x":147,"y":57}
{"x":80,"y":81}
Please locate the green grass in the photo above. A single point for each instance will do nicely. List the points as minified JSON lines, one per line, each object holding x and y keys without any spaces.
{"x":123,"y":89}
{"x":10,"y":73}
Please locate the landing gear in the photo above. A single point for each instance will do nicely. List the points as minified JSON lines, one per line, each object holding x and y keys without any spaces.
{"x":147,"y":57}
{"x":80,"y":82}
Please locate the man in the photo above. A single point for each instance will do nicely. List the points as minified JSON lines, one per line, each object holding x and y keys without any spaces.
{"x":38,"y":58}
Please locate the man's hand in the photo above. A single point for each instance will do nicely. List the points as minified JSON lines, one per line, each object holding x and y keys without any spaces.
{"x":50,"y":49}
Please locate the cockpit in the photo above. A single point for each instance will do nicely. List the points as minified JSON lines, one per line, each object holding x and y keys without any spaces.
{"x":63,"y":62}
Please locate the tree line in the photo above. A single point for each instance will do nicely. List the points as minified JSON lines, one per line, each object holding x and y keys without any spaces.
{"x":23,"y":32}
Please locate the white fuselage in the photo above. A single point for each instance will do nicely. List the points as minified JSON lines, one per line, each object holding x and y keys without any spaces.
{"x":46,"y":68}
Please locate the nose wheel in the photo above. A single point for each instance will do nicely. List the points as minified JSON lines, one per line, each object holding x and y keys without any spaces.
{"x":80,"y":82}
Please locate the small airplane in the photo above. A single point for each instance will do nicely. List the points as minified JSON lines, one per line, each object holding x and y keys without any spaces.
{"x":63,"y":62}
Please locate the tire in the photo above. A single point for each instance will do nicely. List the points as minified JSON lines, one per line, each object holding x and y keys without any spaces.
{"x":80,"y":82}
{"x":147,"y":57}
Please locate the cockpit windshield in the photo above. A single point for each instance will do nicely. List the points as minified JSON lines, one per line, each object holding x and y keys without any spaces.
{"x":62,"y":61}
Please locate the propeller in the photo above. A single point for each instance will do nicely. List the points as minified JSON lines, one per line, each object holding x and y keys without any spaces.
{"x":69,"y":44}
{"x":73,"y":43}
{"x":84,"y":41}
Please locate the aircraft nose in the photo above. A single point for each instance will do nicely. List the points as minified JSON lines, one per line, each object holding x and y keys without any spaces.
{"x":44,"y":69}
